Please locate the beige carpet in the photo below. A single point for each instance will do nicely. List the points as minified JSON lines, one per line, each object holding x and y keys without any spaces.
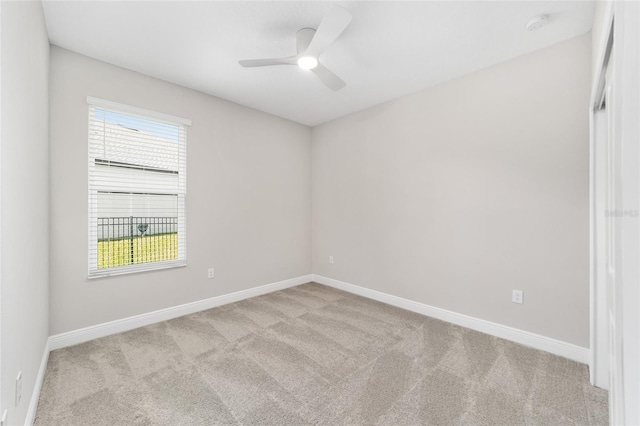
{"x":313,"y":355}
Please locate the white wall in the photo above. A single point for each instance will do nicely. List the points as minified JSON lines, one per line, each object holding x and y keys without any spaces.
{"x":24,"y":223}
{"x":248,"y":201}
{"x":458,"y":194}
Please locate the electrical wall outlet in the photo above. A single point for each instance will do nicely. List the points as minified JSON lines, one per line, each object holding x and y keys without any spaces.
{"x":331,"y":259}
{"x":18,"y":388}
{"x":3,"y":420}
{"x":517,"y":296}
{"x":211,"y":273}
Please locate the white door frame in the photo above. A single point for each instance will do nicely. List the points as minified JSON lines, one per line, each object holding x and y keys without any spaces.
{"x":623,"y":304}
{"x":598,"y":122}
{"x":627,"y":129}
{"x":2,"y":412}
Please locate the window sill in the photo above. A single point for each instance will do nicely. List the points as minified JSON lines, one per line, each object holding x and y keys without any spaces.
{"x":134,"y":269}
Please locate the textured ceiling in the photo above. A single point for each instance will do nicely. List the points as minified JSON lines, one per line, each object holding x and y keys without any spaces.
{"x":390,"y":48}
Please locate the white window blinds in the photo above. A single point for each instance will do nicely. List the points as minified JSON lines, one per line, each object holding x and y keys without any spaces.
{"x":137,"y":189}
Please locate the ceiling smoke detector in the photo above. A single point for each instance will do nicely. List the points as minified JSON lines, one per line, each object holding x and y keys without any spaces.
{"x":537,"y":22}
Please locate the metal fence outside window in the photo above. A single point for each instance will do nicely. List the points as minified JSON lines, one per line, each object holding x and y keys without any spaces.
{"x":134,"y":240}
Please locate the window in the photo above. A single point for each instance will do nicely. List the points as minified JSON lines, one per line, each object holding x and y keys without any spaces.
{"x":137,"y":189}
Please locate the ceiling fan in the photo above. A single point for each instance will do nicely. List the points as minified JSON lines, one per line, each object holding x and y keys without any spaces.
{"x":310,"y":44}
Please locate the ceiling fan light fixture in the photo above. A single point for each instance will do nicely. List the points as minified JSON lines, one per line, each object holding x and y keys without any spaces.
{"x":310,"y":43}
{"x":307,"y":62}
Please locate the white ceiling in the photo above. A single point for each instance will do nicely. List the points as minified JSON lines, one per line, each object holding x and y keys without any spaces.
{"x":390,"y":48}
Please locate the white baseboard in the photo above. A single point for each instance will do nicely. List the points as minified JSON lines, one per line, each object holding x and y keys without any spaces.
{"x":75,"y":337}
{"x":547,"y":344}
{"x":35,"y":395}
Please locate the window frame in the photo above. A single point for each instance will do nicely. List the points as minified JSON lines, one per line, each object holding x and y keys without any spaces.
{"x":181,"y":261}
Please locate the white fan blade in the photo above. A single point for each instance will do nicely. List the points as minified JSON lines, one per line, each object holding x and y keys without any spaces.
{"x":303,"y":39}
{"x":330,"y":28}
{"x":330,"y":80}
{"x":248,"y":63}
